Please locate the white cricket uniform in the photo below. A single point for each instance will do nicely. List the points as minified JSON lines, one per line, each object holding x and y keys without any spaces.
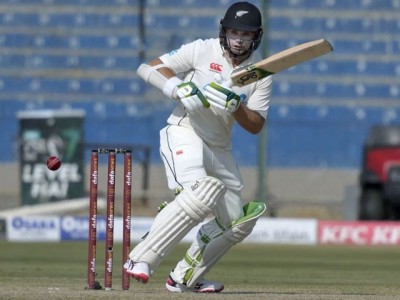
{"x":195,"y":145}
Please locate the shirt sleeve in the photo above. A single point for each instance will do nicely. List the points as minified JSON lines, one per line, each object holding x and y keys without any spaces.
{"x":182,"y":60}
{"x":260,"y":98}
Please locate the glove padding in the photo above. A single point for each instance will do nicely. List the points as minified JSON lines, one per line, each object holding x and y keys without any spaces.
{"x":222,"y":97}
{"x":191,"y":97}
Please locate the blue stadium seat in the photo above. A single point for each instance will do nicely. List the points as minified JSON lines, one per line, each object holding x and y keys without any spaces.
{"x":95,"y":3}
{"x":357,"y":5}
{"x":99,"y":39}
{"x":326,"y":25}
{"x":104,"y":86}
{"x":54,"y":62}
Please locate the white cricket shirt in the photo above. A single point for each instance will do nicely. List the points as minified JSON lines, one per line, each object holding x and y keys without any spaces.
{"x":199,"y":62}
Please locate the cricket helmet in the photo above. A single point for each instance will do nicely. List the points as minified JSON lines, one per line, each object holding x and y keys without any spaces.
{"x":242,"y":16}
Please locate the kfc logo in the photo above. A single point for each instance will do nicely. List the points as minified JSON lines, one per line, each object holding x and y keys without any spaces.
{"x":216,"y":67}
{"x":358,"y":233}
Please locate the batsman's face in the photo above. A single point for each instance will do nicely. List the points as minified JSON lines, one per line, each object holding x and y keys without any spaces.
{"x":239,"y":41}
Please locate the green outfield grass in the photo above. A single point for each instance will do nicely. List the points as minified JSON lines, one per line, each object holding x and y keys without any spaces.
{"x":58,"y":271}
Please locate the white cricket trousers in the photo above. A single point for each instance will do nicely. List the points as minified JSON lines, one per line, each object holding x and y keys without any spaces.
{"x":187,"y":158}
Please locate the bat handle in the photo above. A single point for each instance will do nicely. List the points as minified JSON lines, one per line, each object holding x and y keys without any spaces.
{"x":227,"y":83}
{"x":220,"y":80}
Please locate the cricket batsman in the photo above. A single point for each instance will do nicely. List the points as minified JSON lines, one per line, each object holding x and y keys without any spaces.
{"x":196,"y":149}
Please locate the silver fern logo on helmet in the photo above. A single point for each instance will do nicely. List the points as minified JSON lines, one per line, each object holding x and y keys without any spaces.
{"x":241,"y":16}
{"x":241,"y":13}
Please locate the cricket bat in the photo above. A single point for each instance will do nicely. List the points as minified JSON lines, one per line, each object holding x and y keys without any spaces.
{"x":280,"y":61}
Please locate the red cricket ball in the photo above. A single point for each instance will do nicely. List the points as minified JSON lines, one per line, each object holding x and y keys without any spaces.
{"x":53,"y":163}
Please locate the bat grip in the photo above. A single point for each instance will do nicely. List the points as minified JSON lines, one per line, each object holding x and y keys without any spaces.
{"x":220,"y":80}
{"x":227,"y":83}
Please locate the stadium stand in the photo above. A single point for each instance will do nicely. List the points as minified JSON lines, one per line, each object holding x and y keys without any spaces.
{"x":83,"y":54}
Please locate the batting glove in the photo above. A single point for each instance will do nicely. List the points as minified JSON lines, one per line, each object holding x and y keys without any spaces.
{"x":192,"y":98}
{"x":222,"y":97}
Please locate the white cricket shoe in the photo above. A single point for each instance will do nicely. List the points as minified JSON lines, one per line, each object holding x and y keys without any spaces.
{"x":204,"y":286}
{"x":138,"y":270}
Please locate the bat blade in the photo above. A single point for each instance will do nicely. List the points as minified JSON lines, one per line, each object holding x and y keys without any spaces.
{"x":280,"y":61}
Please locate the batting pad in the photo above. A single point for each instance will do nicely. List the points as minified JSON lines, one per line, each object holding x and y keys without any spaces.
{"x":213,"y":241}
{"x":188,"y":209}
